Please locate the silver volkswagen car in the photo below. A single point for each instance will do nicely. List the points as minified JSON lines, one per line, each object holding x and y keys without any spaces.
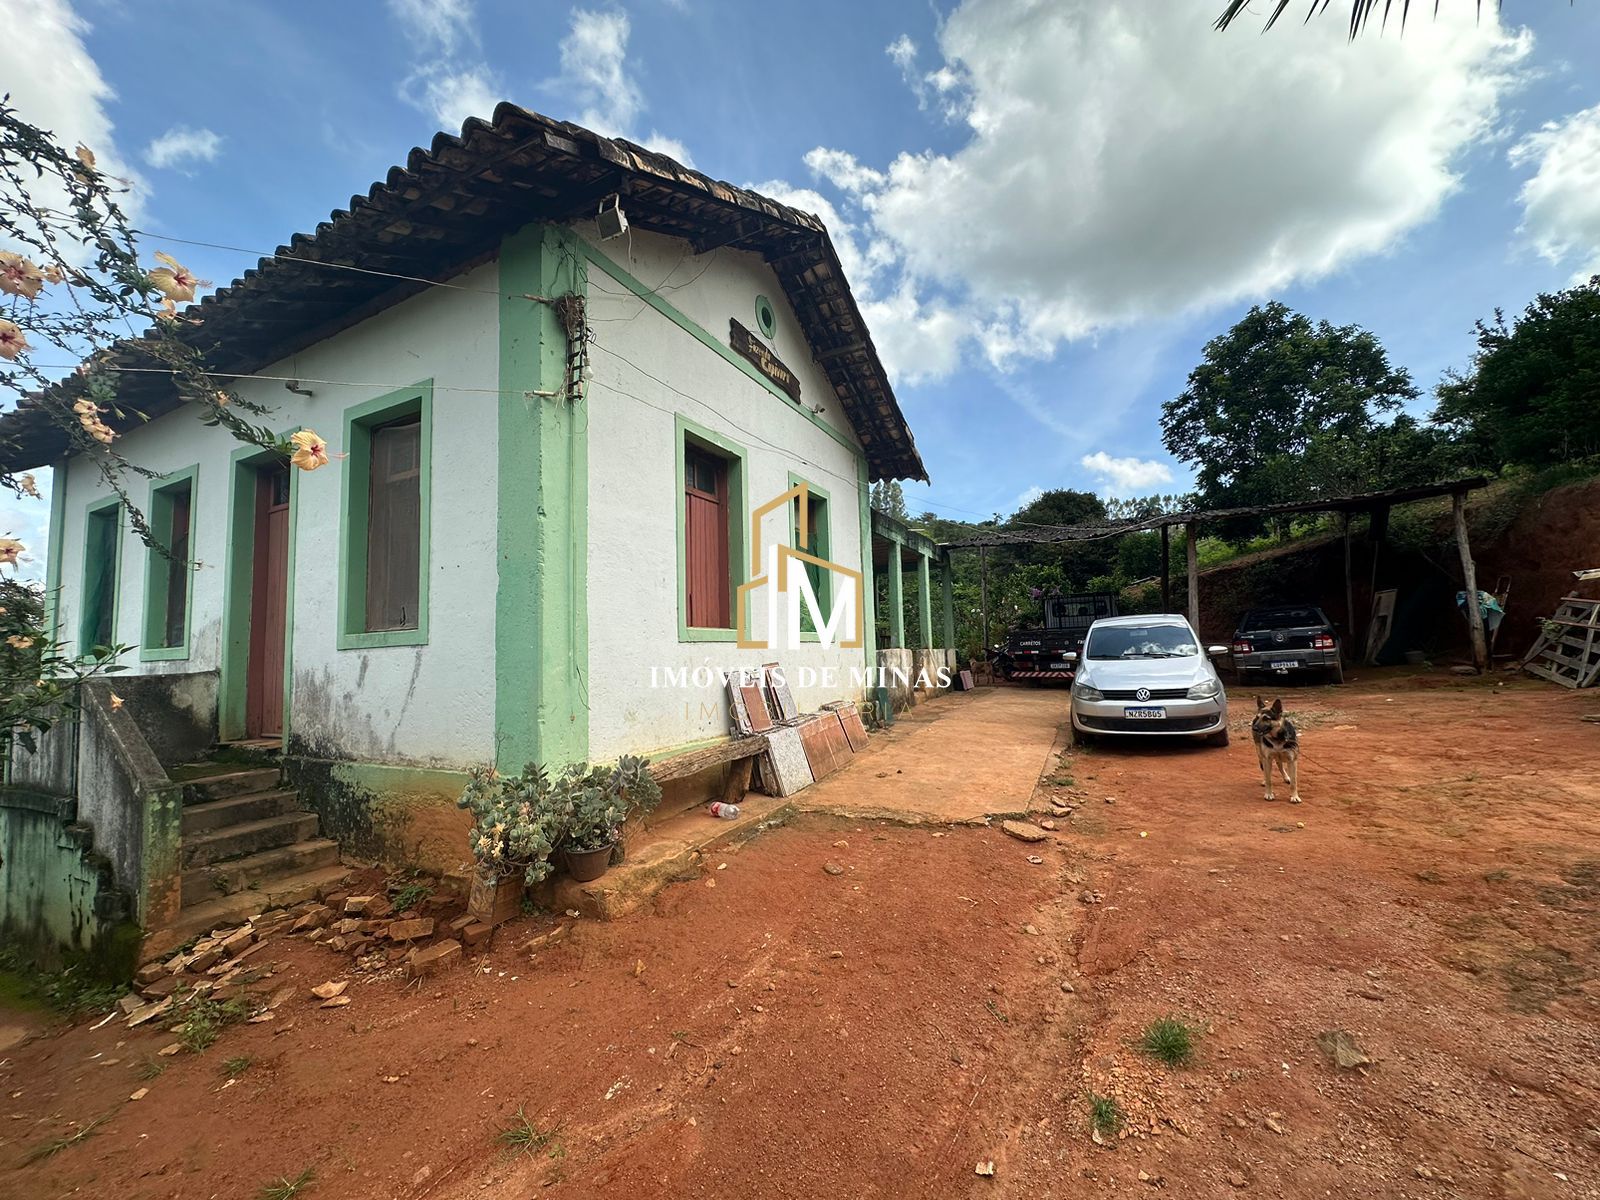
{"x":1144,"y":675}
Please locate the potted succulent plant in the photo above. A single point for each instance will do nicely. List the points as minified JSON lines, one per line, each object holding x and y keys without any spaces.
{"x":601,"y":799}
{"x":518,"y":820}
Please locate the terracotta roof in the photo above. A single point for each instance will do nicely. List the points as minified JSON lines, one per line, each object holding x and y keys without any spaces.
{"x":448,"y":208}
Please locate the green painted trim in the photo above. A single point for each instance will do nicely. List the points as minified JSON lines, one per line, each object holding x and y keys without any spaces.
{"x":89,"y":514}
{"x":947,"y":586}
{"x":288,"y":605}
{"x":651,"y":297}
{"x":158,"y":511}
{"x":234,"y":660}
{"x":869,"y":585}
{"x":924,"y":603}
{"x":897,"y":600}
{"x":355,"y":487}
{"x":542,"y":511}
{"x":824,"y":549}
{"x":686,"y":433}
{"x":767,"y":328}
{"x":54,"y":549}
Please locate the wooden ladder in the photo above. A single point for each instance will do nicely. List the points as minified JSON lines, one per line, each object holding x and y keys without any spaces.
{"x":1568,"y":649}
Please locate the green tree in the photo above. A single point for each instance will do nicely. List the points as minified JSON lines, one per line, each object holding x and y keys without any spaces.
{"x":1533,"y":394}
{"x":1281,"y":408}
{"x":889,"y":499}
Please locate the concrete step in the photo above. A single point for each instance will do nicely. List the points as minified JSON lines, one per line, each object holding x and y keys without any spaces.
{"x":248,"y":837}
{"x":227,"y":878}
{"x":277,"y":891}
{"x":236,"y":810}
{"x":663,"y":854}
{"x":230,"y":782}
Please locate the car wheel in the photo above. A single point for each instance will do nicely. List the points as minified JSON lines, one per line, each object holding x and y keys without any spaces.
{"x":1219,"y":738}
{"x":1081,"y":737}
{"x":1336,"y":674}
{"x":1247,"y":677}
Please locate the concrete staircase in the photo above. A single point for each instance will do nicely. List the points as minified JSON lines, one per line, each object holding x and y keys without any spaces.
{"x":247,"y":844}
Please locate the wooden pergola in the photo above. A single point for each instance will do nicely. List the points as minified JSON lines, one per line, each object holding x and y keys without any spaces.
{"x":1376,"y":505}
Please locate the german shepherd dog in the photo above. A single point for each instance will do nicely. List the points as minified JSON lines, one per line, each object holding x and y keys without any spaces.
{"x":1277,"y":745}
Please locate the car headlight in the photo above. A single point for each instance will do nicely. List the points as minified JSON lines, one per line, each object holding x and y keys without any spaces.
{"x":1087,"y":691}
{"x":1205,"y":690}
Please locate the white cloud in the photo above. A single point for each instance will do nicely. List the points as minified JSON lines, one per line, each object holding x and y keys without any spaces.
{"x":453,"y":95}
{"x":451,"y":81}
{"x":1127,"y":475}
{"x":180,"y":146}
{"x":1028,"y":497}
{"x":1561,"y":200}
{"x":56,"y":85}
{"x":594,"y":65}
{"x":444,"y":26}
{"x":1123,"y":162}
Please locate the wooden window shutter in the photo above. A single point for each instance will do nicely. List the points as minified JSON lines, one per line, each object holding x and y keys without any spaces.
{"x":394,"y":526}
{"x":708,"y":580}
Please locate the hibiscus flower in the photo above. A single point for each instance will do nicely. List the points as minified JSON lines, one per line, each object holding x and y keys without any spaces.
{"x":18,"y":276}
{"x":175,"y":281}
{"x":12,"y":343}
{"x":310,"y":451}
{"x":10,"y":549}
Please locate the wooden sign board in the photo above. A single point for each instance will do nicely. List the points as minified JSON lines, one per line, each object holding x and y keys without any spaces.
{"x":747,"y":345}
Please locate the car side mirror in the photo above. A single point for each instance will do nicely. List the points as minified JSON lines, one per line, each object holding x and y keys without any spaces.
{"x":1216,"y":650}
{"x":1072,"y":656}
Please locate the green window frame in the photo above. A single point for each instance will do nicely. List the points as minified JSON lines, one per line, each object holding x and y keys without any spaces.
{"x":361,"y":422}
{"x":162,"y":572}
{"x":689,"y":435}
{"x":102,"y":574}
{"x":821,"y":530}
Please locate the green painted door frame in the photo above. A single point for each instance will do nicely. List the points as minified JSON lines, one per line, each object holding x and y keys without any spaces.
{"x":542,"y":543}
{"x":869,"y":588}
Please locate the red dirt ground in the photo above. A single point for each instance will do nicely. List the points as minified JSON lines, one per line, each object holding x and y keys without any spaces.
{"x":770,"y":1029}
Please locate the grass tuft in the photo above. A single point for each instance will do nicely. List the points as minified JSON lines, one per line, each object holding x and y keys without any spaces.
{"x":151,"y":1068}
{"x":55,"y":1146}
{"x":205,"y":1019}
{"x":236,"y":1067}
{"x":286,"y":1188}
{"x":1169,"y":1040}
{"x":410,"y":896}
{"x":1105,"y":1115}
{"x":522,"y":1136}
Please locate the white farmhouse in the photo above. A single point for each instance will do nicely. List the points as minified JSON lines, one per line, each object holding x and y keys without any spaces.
{"x":556,"y":433}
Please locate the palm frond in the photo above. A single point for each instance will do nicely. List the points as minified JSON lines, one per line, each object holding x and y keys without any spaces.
{"x":1361,"y":12}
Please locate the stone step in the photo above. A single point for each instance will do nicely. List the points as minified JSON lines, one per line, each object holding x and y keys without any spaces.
{"x":664,"y":854}
{"x":227,"y":878}
{"x":230,"y":782}
{"x":236,"y":810}
{"x":247,"y":837}
{"x":276,"y":891}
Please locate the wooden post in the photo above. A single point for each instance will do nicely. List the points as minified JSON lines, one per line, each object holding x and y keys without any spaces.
{"x":1469,"y":577}
{"x":1377,"y":529}
{"x":983,"y":594}
{"x":1349,"y":586}
{"x":1191,"y":554}
{"x":1166,"y":568}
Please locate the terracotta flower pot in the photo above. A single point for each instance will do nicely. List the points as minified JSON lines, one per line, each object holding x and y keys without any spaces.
{"x":588,"y":865}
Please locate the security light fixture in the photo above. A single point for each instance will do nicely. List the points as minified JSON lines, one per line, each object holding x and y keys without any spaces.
{"x":612,"y":220}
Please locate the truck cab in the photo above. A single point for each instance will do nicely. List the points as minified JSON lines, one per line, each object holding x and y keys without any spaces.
{"x":1039,"y":653}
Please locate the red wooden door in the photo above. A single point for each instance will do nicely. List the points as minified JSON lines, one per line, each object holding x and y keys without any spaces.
{"x":268,"y":605}
{"x":706,"y":541}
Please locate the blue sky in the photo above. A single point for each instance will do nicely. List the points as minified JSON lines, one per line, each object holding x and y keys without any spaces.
{"x":1047,"y":208}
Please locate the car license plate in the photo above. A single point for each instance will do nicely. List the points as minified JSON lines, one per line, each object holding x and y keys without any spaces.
{"x":1060,"y":666}
{"x":1283,"y":664}
{"x":1145,"y":714}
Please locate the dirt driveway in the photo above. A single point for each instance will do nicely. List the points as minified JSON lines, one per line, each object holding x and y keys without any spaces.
{"x":772,"y":1028}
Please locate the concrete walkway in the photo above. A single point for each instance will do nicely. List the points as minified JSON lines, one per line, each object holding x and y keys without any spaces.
{"x":957,"y":759}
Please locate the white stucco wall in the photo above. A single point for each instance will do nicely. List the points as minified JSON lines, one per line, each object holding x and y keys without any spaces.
{"x":633,"y":483}
{"x":431,"y":704}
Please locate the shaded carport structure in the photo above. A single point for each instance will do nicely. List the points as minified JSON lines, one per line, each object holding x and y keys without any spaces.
{"x":1376,"y":505}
